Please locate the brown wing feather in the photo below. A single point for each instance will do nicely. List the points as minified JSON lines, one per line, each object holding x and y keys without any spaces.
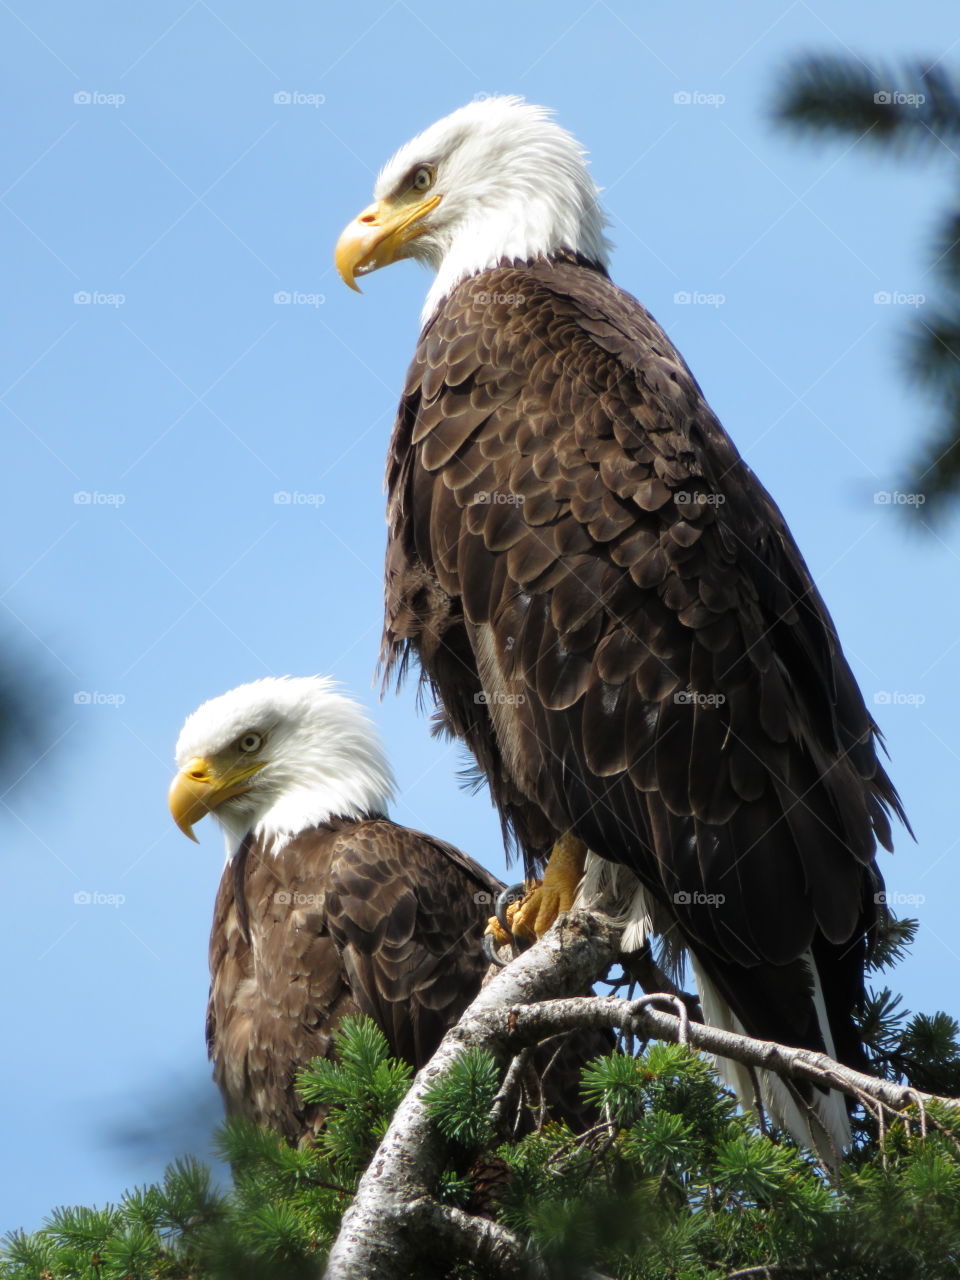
{"x":364,"y":917}
{"x":641,"y":656}
{"x":407,"y":914}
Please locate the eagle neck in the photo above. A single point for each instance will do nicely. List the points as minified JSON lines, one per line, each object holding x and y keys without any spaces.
{"x":447,"y":282}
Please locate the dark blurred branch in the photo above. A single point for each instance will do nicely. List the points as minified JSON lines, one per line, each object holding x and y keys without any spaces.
{"x":910,"y":110}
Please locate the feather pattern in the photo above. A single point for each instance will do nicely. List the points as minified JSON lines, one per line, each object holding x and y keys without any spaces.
{"x":661,"y":674}
{"x":350,"y":917}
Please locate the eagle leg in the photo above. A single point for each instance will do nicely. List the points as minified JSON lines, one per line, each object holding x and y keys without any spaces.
{"x":543,"y":902}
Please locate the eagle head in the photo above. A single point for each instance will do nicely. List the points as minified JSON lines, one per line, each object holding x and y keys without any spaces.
{"x":498,"y":180}
{"x":276,"y":757}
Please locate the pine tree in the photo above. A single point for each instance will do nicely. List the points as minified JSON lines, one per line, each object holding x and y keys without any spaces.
{"x":672,"y":1181}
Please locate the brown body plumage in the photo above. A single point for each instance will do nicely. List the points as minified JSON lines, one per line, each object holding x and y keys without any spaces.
{"x":349,"y":917}
{"x":614,"y":616}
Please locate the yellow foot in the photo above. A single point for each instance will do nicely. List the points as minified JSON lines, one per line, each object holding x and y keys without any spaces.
{"x":543,"y":902}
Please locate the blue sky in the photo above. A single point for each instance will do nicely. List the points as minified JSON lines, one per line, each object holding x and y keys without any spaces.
{"x":147,"y":564}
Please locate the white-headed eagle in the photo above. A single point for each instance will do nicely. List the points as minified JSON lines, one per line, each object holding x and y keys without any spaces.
{"x":326,"y":907}
{"x":609,"y":606}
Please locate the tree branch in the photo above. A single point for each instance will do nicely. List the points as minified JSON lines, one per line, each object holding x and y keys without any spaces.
{"x":376,"y":1241}
{"x":396,"y":1227}
{"x":518,"y":1026}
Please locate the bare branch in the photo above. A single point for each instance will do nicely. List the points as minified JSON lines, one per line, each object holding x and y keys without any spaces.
{"x":517,"y":1026}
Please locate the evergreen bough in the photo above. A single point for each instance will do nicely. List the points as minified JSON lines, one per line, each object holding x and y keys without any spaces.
{"x":672,"y":1180}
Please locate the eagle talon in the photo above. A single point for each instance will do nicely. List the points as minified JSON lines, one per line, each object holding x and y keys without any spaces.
{"x":511,"y":896}
{"x":490,"y":951}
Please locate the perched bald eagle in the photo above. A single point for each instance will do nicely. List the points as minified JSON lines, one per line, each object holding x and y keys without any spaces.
{"x":326,"y":906}
{"x":609,"y":606}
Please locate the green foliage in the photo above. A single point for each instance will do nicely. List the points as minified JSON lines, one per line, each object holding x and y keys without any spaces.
{"x":906,"y":111}
{"x":921,"y":1049}
{"x":890,"y":943}
{"x":460,"y":1102}
{"x":359,"y":1092}
{"x":671,"y":1182}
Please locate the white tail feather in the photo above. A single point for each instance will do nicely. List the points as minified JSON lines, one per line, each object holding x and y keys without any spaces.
{"x":822,"y":1126}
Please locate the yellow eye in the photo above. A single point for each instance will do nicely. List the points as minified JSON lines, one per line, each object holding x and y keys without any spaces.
{"x":423,"y":178}
{"x":250,"y":742}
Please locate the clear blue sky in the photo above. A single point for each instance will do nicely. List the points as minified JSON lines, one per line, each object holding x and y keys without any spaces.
{"x":185,"y":407}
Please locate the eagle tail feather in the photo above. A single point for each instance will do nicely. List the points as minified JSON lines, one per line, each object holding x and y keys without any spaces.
{"x":815,"y":1118}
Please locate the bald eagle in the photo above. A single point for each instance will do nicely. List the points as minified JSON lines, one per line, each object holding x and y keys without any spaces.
{"x":326,"y":907}
{"x":610,"y":608}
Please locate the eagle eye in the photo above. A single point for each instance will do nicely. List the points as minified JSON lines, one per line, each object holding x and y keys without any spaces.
{"x":250,"y":742}
{"x":423,"y":177}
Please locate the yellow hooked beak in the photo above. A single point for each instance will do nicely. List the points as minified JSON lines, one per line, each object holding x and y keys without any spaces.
{"x":379,"y":236}
{"x":199,"y":788}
